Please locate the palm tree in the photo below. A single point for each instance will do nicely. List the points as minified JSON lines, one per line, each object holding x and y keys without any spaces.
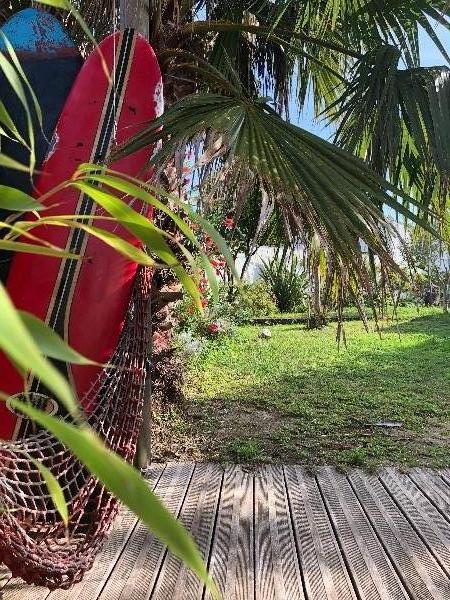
{"x":361,"y":61}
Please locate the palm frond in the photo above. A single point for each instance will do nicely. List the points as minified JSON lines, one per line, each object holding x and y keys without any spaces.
{"x":317,"y":183}
{"x":398,"y":120}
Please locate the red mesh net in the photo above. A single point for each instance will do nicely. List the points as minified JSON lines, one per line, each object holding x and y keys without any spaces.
{"x":33,"y":540}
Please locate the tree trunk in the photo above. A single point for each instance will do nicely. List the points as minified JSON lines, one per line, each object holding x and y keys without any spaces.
{"x":247,"y":260}
{"x":144,"y":443}
{"x":446,"y":293}
{"x":133,"y":14}
{"x":316,"y":318}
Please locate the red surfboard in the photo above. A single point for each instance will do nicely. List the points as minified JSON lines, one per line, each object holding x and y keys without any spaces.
{"x":86,"y":301}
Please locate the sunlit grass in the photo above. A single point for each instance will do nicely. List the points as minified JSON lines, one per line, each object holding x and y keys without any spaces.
{"x":314,"y":403}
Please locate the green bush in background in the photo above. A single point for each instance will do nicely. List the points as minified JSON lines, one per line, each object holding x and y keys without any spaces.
{"x":253,"y":300}
{"x":286,"y":281}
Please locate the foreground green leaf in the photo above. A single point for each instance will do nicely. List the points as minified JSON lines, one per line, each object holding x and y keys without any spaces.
{"x":111,"y":239}
{"x":10,"y":163}
{"x":147,"y":193}
{"x":24,"y":78}
{"x":15,"y":81}
{"x":150,"y":235}
{"x":50,"y":343}
{"x":12,"y":246}
{"x":18,"y":344}
{"x":15,"y":200}
{"x":54,"y":489}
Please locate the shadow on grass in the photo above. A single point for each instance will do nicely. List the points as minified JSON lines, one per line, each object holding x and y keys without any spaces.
{"x":315,"y":413}
{"x":436,"y":325}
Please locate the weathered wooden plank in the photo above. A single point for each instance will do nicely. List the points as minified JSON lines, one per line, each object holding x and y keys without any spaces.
{"x":423,"y":516}
{"x":175,"y":581}
{"x":325,"y":574}
{"x":445,"y":474}
{"x":433,"y":487}
{"x":418,"y":569}
{"x":373,"y":574}
{"x":277,"y":572}
{"x":5,"y":576}
{"x":95,"y":580}
{"x":136,"y":570}
{"x":16,"y":589}
{"x":280,"y":534}
{"x":232,"y":556}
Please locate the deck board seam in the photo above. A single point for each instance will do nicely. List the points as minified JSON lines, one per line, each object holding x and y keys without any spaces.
{"x":430,"y":499}
{"x":295,"y":535}
{"x":445,"y":479}
{"x":254,"y":536}
{"x":415,"y":528}
{"x":406,"y":588}
{"x":338,"y":542}
{"x":128,"y":537}
{"x":213,"y":532}
{"x":420,"y":569}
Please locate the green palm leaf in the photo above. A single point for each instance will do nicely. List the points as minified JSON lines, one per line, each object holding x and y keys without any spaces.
{"x":398,"y":120}
{"x":330,"y":189}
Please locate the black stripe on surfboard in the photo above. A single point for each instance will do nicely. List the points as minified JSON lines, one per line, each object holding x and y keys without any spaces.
{"x":68,"y":266}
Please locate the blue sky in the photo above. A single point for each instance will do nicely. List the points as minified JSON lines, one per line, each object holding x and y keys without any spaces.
{"x":430,"y":56}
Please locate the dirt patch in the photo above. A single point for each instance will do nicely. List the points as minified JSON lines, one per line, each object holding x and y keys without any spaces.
{"x":220,"y":431}
{"x":224,"y":431}
{"x":172,"y":435}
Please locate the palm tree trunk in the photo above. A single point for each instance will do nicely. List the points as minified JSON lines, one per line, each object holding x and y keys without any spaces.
{"x":316,"y":318}
{"x":247,"y":260}
{"x":133,"y":15}
{"x":318,"y":309}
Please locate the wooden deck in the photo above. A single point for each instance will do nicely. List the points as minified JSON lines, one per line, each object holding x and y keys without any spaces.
{"x":281,"y":534}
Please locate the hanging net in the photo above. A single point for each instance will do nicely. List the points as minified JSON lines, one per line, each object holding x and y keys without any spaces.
{"x":34,"y":543}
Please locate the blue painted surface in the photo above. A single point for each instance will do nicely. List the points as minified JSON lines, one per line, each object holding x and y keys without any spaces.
{"x":33,"y":30}
{"x":51,"y":63}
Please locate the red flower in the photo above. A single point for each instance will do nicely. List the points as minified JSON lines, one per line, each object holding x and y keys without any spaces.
{"x":204,"y":302}
{"x":213,"y":327}
{"x":228,"y":223}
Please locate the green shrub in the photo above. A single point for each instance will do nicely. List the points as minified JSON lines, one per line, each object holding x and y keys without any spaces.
{"x":233,"y":305}
{"x":194,"y":328}
{"x":253,"y":300}
{"x":286,"y":282}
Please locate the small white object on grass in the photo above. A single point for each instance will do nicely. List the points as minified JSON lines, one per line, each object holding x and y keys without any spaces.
{"x":265,"y":334}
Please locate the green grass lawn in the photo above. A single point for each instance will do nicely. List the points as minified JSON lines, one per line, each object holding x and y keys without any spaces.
{"x":297,"y":398}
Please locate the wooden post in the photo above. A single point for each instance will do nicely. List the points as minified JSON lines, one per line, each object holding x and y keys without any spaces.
{"x":144,"y":443}
{"x":134,"y":14}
